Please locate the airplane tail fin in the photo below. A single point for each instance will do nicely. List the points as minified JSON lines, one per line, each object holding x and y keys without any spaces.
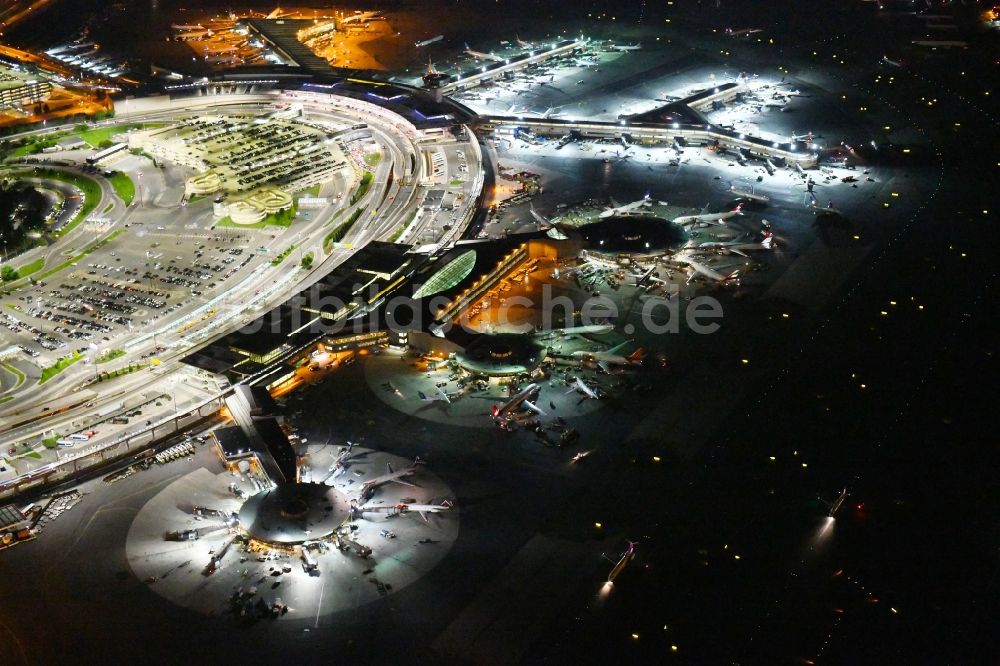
{"x":767,"y":243}
{"x":739,"y":209}
{"x":637,"y":355}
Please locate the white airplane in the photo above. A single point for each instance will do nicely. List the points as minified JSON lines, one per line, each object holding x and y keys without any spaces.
{"x":625,"y":47}
{"x":578,"y":385}
{"x":807,"y":137}
{"x":520,"y":399}
{"x":713,"y":218}
{"x":698,"y":268}
{"x":479,"y":55}
{"x":590,"y":329}
{"x":523,"y":44}
{"x":369,"y":486}
{"x":625,"y":209}
{"x":626,"y":558}
{"x":835,"y":505}
{"x":339,"y":465}
{"x":739,"y":248}
{"x":748,"y":193}
{"x":579,"y":456}
{"x":360,"y":17}
{"x":610,"y":356}
{"x":401,"y":507}
{"x":744,"y":32}
{"x":441,"y":396}
{"x":543,"y":222}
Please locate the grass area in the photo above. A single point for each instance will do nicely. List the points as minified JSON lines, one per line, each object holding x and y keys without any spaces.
{"x":312,"y":191}
{"x":123,"y":187}
{"x":457,"y":181}
{"x":32,"y":267}
{"x":60,"y":365}
{"x":108,"y":207}
{"x":51,"y":442}
{"x":120,"y":372}
{"x":6,"y":398}
{"x":307,"y":261}
{"x":284,"y":255}
{"x":341,"y":230}
{"x":335,"y":215}
{"x":78,"y":257}
{"x":402,"y":227}
{"x":33,"y":454}
{"x":372,"y":159}
{"x":110,"y":355}
{"x":98,"y":135}
{"x":280,"y":219}
{"x":366,"y":183}
{"x":14,"y":371}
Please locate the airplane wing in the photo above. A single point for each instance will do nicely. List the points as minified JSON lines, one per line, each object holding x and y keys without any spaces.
{"x":405,"y":483}
{"x":533,"y":407}
{"x":604,"y":366}
{"x":739,"y":252}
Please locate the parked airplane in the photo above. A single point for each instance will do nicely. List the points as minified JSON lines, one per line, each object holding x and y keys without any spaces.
{"x":369,"y":486}
{"x":579,"y":456}
{"x":749,"y":193}
{"x":441,"y":396}
{"x":523,"y":398}
{"x":739,"y":248}
{"x":523,"y":44}
{"x":625,"y":47}
{"x":714,"y":218}
{"x":479,"y":55}
{"x":625,"y":209}
{"x":590,"y":329}
{"x":578,"y":385}
{"x":698,"y":268}
{"x":402,"y":507}
{"x":611,"y":356}
{"x":543,"y":222}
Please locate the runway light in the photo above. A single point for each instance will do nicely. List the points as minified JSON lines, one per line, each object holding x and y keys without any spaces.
{"x":673,"y":648}
{"x":597,"y":525}
{"x":635,"y":637}
{"x":772,"y":458}
{"x":656,"y":458}
{"x":745,"y":361}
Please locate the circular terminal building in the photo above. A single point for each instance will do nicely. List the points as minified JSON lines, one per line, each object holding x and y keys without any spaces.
{"x":293,"y":513}
{"x":633,"y":234}
{"x":502,"y":355}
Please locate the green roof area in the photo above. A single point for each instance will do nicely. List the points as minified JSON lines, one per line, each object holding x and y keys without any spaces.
{"x":453,"y":272}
